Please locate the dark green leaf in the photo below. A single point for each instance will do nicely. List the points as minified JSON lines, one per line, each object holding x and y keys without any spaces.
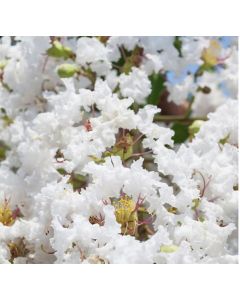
{"x":3,"y":149}
{"x":181,"y":132}
{"x":157,"y":81}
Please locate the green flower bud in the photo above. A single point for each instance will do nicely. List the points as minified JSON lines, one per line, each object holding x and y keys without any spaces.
{"x":201,"y":219}
{"x":3,"y":64}
{"x":67,"y":70}
{"x":206,"y":90}
{"x":196,"y":203}
{"x":168,"y":248}
{"x":194,"y":128}
{"x":56,"y":50}
{"x":7,"y":120}
{"x":59,"y":51}
{"x":224,"y":140}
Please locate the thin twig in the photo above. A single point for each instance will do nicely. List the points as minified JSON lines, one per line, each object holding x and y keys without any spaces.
{"x":137,"y":139}
{"x":173,"y":118}
{"x":141,"y":153}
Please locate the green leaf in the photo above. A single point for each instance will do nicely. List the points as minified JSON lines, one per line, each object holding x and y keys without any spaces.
{"x":157,"y":81}
{"x":62,"y":171}
{"x":3,"y":149}
{"x":96,"y":159}
{"x":77,"y":181}
{"x":181,"y":132}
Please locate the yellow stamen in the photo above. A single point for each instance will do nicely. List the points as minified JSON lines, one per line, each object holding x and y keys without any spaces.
{"x":211,"y":54}
{"x":126,"y":215}
{"x":6,"y":214}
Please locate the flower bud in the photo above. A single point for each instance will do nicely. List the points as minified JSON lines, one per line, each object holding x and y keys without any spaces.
{"x":194,"y":128}
{"x":3,"y":64}
{"x":67,"y":70}
{"x":224,"y":140}
{"x":58,"y":50}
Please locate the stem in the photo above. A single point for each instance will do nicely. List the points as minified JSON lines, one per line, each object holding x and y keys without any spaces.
{"x":45,"y":64}
{"x":116,"y":66}
{"x":141,"y":153}
{"x":137,"y":139}
{"x":204,"y":184}
{"x":123,"y":53}
{"x":87,"y":74}
{"x":173,"y":118}
{"x":213,"y":199}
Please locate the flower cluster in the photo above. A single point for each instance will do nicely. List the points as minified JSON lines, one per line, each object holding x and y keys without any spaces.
{"x":118,"y":150}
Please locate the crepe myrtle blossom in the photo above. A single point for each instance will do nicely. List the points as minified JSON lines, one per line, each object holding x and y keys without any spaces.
{"x":91,"y":171}
{"x":135,"y":85}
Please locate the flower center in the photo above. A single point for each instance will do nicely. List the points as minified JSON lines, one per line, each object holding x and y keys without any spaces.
{"x":6,"y":215}
{"x":126,"y":214}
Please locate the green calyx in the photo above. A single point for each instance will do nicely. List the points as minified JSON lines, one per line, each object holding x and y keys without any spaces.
{"x":123,"y":148}
{"x":132,"y":61}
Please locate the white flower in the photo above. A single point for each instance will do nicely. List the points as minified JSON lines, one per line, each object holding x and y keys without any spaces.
{"x":151,"y":63}
{"x":88,"y":176}
{"x":90,"y":51}
{"x":136,"y":85}
{"x":114,"y":42}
